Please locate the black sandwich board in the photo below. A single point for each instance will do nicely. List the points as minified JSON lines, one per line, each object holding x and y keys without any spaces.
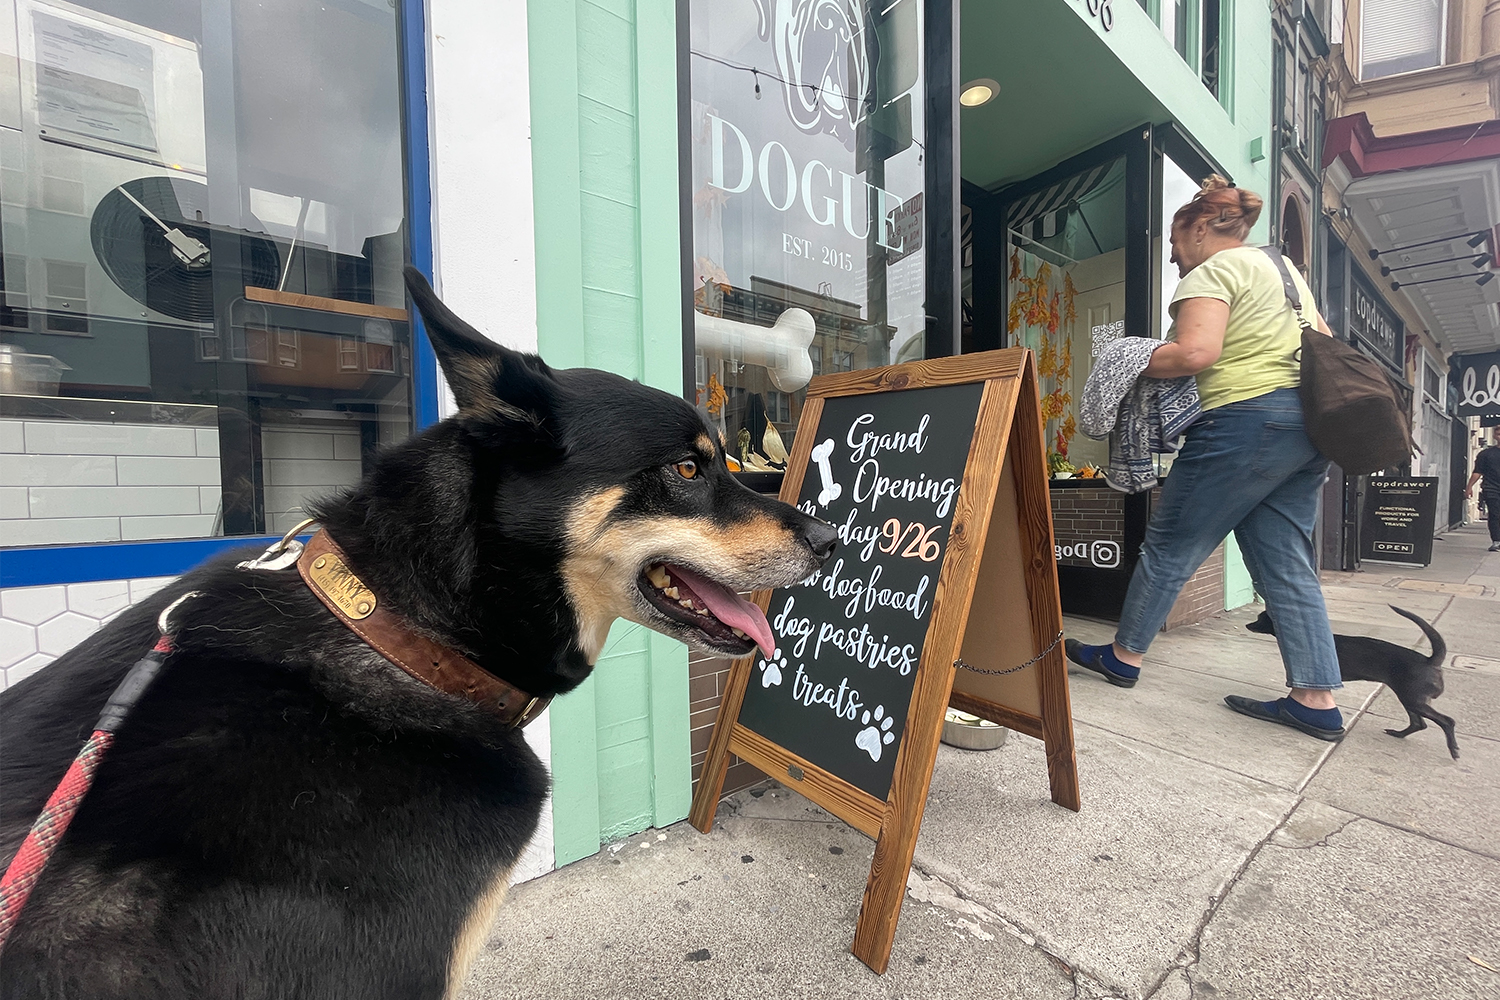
{"x":935,"y":474}
{"x":1399,"y":518}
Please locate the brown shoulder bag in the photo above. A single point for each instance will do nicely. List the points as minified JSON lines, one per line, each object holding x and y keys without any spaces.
{"x":1355,"y":413}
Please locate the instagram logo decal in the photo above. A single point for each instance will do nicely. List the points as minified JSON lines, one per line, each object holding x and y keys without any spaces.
{"x":1103,"y":553}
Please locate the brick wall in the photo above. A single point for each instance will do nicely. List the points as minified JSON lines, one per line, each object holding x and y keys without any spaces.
{"x":1088,"y":525}
{"x":1202,"y":596}
{"x":707,"y":676}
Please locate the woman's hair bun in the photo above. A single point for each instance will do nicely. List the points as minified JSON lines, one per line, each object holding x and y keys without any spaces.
{"x":1229,"y":210}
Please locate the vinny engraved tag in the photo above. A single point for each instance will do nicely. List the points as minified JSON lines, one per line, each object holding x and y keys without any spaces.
{"x":343,"y":588}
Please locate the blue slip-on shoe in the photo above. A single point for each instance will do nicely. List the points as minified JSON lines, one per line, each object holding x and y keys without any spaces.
{"x":1278,"y":712}
{"x":1102,"y":661}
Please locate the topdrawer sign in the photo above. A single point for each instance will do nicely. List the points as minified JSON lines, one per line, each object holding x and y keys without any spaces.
{"x":1374,"y":322}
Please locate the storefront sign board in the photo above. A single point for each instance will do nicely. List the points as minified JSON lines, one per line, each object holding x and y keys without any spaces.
{"x":1479,"y":385}
{"x":1374,"y":322}
{"x":935,"y":473}
{"x":1399,"y":518}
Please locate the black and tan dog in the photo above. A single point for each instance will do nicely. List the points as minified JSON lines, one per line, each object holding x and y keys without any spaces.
{"x":288,"y":814}
{"x":1413,"y":678}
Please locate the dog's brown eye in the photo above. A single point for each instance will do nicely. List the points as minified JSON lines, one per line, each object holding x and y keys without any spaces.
{"x":687,"y":468}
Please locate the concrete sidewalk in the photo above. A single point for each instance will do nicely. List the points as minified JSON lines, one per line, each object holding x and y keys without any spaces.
{"x":1215,"y":856}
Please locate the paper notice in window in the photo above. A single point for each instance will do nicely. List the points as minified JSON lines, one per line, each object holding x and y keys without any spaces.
{"x":93,"y":82}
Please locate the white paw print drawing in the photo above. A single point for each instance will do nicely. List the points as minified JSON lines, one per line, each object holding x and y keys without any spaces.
{"x":771,"y":668}
{"x":877,"y":735}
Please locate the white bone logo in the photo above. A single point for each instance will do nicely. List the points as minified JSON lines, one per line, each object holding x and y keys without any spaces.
{"x":831,"y":490}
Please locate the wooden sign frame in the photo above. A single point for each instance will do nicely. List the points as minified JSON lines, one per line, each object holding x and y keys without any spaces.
{"x":1007,"y":446}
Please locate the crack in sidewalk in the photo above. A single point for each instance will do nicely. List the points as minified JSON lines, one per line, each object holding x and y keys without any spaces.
{"x":1187,"y":960}
{"x":933,"y":884}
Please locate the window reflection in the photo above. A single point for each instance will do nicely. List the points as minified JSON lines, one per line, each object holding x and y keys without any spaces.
{"x":807,"y":210}
{"x":203,"y":226}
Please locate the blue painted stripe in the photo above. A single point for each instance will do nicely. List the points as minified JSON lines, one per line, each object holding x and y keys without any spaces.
{"x":56,"y":564}
{"x":418,"y":192}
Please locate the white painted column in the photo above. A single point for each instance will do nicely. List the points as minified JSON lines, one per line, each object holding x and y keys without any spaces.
{"x":484,"y":241}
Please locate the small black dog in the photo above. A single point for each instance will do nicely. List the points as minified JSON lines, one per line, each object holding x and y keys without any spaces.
{"x":1413,"y":678}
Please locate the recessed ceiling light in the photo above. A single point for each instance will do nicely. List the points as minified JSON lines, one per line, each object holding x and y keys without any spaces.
{"x":977,"y":92}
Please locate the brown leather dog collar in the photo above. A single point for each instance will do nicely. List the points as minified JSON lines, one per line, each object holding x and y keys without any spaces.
{"x":326,"y":571}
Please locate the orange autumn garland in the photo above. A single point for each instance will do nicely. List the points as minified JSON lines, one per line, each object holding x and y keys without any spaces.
{"x":1036,"y":303}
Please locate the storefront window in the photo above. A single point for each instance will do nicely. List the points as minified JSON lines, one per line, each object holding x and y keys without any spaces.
{"x":202,"y":318}
{"x":1177,"y":189}
{"x":1066,"y":294}
{"x":807,"y":204}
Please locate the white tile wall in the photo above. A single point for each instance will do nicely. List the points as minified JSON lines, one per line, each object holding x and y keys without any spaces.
{"x":68,"y":482}
{"x":299,"y":463}
{"x":57,"y":470}
{"x":60,"y":531}
{"x":100,"y":501}
{"x":134,"y":529}
{"x":75,"y":437}
{"x":134,"y":471}
{"x":12,"y":438}
{"x":13,"y":502}
{"x":208,"y":441}
{"x":39,"y":624}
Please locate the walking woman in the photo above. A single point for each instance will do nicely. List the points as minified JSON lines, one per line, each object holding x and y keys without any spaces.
{"x":1247,"y":465}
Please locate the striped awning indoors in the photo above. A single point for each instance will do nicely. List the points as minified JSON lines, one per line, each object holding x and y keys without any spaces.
{"x":1049,"y":199}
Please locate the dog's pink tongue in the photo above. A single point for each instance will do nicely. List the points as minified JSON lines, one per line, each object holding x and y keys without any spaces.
{"x":729,"y":607}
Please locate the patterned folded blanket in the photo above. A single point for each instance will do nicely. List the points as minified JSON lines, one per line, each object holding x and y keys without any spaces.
{"x":1141,"y":416}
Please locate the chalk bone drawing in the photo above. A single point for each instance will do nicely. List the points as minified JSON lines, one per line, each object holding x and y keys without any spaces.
{"x":823,"y":454}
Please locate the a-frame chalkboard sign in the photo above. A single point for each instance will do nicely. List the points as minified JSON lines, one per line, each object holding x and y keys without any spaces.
{"x":935,"y":473}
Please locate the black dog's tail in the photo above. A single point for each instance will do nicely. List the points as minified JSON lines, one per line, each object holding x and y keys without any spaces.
{"x":1439,"y":647}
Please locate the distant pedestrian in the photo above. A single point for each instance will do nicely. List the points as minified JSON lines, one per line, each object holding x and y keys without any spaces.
{"x":1487,"y":474}
{"x":1247,"y":465}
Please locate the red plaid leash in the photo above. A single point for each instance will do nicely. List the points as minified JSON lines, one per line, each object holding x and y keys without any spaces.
{"x":45,"y":834}
{"x":40,"y":843}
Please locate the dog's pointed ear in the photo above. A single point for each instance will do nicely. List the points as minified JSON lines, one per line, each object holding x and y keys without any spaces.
{"x":487,"y":380}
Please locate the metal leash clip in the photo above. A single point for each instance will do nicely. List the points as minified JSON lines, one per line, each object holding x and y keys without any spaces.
{"x":283,"y":553}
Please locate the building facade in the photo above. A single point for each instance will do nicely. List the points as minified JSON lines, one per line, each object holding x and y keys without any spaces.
{"x":206,"y":207}
{"x":1411,"y":223}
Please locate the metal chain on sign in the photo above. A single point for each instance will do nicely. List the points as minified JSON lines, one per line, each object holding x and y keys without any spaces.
{"x":960,"y":664}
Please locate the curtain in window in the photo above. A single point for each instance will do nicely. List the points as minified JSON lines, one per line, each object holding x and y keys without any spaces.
{"x":1399,"y":36}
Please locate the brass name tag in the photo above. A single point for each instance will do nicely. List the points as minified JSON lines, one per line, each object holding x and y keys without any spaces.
{"x":345,"y":589}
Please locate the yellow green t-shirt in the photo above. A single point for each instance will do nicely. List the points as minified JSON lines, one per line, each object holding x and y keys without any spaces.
{"x":1262,"y":336}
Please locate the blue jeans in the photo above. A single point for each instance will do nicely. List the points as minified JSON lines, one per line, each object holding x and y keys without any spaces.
{"x":1248,"y":468}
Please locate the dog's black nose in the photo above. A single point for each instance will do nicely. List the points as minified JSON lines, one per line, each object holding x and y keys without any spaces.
{"x":820,"y":537}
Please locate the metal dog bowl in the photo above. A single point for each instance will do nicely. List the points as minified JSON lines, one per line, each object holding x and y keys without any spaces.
{"x":969,"y":732}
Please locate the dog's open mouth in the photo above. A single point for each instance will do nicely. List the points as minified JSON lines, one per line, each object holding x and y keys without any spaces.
{"x":726,"y":621}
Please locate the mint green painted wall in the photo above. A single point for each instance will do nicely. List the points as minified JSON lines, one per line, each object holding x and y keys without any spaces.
{"x":1226,"y":129}
{"x":604,"y":165}
{"x":1238,"y":591}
